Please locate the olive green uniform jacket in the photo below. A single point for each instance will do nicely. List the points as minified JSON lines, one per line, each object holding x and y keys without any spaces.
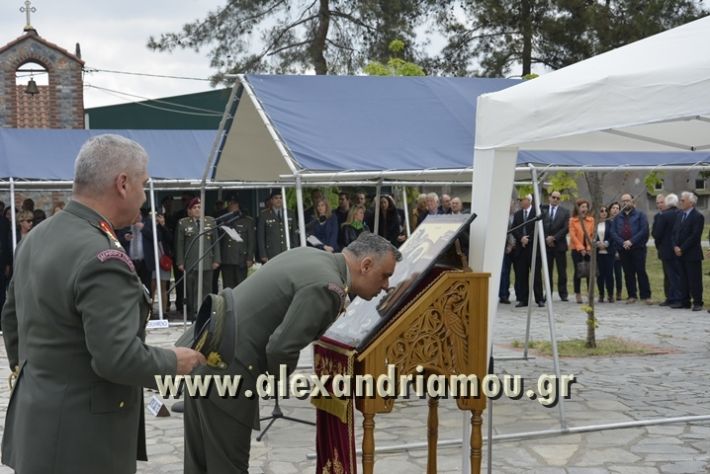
{"x":271,"y":236}
{"x":74,"y":324}
{"x":288,"y":303}
{"x":236,"y":254}
{"x":187,"y":232}
{"x":187,"y":253}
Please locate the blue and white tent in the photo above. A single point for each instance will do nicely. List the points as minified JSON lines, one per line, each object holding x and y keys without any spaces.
{"x":352,"y":127}
{"x":48,"y":154}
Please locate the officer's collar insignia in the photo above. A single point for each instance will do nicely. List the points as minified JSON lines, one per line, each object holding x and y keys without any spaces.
{"x":104,"y":226}
{"x":112,"y":254}
{"x":341,"y":292}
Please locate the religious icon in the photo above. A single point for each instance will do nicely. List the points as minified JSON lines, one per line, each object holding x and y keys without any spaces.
{"x":425,"y":248}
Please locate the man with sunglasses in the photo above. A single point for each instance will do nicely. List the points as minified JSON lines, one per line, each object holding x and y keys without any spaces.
{"x":556,"y":226}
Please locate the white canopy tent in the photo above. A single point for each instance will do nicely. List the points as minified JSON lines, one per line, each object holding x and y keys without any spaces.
{"x":650,"y":96}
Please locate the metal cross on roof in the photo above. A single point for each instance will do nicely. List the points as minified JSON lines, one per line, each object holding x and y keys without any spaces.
{"x":27,"y":9}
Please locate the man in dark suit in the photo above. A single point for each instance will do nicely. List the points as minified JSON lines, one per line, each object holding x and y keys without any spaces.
{"x":687,"y":232}
{"x":522,"y":258}
{"x":556,"y":225}
{"x":662,"y":231}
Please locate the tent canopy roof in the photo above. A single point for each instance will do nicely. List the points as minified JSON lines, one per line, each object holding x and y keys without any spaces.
{"x":49,"y":154}
{"x":339,"y":128}
{"x":651,"y":95}
{"x":352,"y":123}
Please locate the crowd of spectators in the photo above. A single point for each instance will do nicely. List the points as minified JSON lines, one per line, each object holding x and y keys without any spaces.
{"x":618,"y":233}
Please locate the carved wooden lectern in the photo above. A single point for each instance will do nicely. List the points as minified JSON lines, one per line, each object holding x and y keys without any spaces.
{"x":445,"y":331}
{"x":434,"y":317}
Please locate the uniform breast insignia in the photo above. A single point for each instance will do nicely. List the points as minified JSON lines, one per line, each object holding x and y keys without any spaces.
{"x":104,"y":226}
{"x":342,"y":294}
{"x":112,"y":254}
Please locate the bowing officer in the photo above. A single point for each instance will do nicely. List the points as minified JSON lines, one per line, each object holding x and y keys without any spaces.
{"x":237,"y":257}
{"x":263,"y":324}
{"x":187,"y":253}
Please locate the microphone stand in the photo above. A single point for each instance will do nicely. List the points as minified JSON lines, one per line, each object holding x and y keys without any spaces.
{"x":179,"y":406}
{"x":278,"y":414}
{"x":529,"y":221}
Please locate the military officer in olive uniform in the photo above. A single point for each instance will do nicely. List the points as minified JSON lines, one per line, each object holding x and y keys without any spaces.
{"x":271,"y":236}
{"x":186,"y":240}
{"x":275,"y":313}
{"x":77,"y":346}
{"x":237,"y":257}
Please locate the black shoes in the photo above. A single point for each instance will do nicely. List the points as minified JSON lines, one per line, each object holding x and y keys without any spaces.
{"x":504,"y":301}
{"x":697,"y":307}
{"x":679,"y":306}
{"x":521,"y":304}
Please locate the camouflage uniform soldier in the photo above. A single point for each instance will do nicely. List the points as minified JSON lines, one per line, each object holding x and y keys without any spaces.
{"x":263,"y":324}
{"x":186,"y":240}
{"x":77,"y":347}
{"x":271,"y":236}
{"x":237,"y":257}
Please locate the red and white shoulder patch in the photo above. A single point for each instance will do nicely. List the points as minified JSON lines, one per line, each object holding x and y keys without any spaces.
{"x":112,"y":254}
{"x":340,"y":291}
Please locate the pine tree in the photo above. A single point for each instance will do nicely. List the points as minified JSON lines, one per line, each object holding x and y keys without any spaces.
{"x":288,"y":36}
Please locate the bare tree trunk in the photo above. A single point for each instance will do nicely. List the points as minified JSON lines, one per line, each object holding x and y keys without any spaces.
{"x":319,"y":40}
{"x":595,"y":181}
{"x":526,"y":27}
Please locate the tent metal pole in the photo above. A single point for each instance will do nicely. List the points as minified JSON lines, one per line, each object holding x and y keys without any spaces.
{"x":284,"y":210}
{"x":533,"y":266}
{"x":156,"y":256}
{"x":200,"y":252}
{"x":13,"y":216}
{"x":543,"y":433}
{"x":405,"y":205}
{"x":209,"y":171}
{"x":299,"y":209}
{"x":465,"y":173}
{"x":548,"y":292}
{"x":376,"y":224}
{"x":182,"y":185}
{"x":700,"y":166}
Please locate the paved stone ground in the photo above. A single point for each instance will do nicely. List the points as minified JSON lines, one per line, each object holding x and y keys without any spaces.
{"x":608,"y":390}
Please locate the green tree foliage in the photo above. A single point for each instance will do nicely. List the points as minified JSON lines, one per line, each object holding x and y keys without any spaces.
{"x":396,"y":66}
{"x":494,"y":37}
{"x":651,"y":180}
{"x":565,"y":183}
{"x":287,"y":36}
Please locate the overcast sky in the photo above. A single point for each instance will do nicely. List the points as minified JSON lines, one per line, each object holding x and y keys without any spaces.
{"x":113,"y":35}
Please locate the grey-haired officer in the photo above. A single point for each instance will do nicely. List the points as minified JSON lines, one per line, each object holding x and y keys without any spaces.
{"x":276,"y":312}
{"x":236,"y":256}
{"x":187,"y":253}
{"x":77,"y":347}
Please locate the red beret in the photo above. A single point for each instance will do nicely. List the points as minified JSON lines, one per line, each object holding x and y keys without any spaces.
{"x":193,"y":202}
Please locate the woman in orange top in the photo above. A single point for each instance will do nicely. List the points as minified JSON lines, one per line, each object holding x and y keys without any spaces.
{"x":581,"y":247}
